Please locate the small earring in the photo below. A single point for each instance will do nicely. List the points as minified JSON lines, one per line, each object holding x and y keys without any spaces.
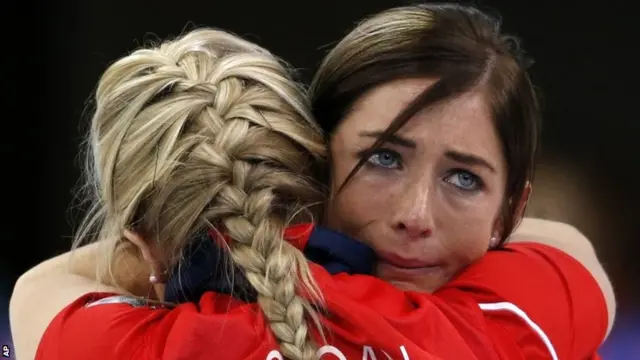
{"x":493,"y":242}
{"x":157,"y":280}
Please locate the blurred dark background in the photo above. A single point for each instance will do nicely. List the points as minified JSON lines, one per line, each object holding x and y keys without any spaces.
{"x":584,"y":66}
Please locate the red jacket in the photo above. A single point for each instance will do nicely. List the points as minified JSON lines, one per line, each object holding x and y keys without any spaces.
{"x":527,"y":301}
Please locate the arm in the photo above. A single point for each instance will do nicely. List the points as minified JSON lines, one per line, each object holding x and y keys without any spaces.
{"x":61,"y":280}
{"x":568,"y":239}
{"x":537,"y":300}
{"x":102,"y":326}
{"x":63,"y":283}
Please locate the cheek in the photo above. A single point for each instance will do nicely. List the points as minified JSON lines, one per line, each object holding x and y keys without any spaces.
{"x":358,"y":207}
{"x":351,"y":209}
{"x":357,"y":204}
{"x":467,"y":229}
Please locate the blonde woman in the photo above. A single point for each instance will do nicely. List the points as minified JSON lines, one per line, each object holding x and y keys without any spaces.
{"x":205,"y":141}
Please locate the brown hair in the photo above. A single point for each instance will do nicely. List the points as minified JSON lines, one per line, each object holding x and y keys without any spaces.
{"x":462,"y":48}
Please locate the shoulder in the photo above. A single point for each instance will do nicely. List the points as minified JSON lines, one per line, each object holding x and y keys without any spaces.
{"x":570,"y":241}
{"x":541,"y":295}
{"x":95,"y":324}
{"x":100,"y":325}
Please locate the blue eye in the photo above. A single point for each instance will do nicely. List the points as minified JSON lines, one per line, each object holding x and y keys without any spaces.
{"x":385,"y":158}
{"x":464,"y":180}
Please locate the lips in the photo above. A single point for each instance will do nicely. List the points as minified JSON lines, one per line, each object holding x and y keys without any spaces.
{"x":405,"y":263}
{"x":411,"y":273}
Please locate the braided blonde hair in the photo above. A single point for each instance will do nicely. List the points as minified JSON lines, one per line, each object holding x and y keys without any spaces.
{"x":209,"y":131}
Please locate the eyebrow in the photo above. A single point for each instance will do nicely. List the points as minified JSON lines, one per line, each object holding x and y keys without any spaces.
{"x":391,"y":139}
{"x":469,"y":159}
{"x":458,"y":156}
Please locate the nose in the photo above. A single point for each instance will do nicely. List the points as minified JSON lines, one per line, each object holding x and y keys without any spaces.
{"x":413,"y":218}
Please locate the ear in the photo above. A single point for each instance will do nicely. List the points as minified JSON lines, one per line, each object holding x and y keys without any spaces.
{"x":522,"y":206}
{"x":150,"y":254}
{"x":139,"y":242}
{"x":518,"y":216}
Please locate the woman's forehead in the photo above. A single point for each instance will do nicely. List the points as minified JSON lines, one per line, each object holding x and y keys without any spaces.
{"x":383,"y":103}
{"x":377,"y":109}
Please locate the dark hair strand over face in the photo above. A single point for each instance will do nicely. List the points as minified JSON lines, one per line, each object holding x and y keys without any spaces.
{"x":462,"y":49}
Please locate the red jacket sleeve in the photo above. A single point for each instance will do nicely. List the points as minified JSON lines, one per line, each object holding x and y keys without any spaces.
{"x":538,"y":298}
{"x":525,"y":302}
{"x":220,"y":328}
{"x":123,"y":330}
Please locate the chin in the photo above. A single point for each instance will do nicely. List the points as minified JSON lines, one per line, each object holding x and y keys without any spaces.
{"x":410,"y":286}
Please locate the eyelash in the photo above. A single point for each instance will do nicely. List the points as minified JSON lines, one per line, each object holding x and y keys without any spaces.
{"x":370,"y":155}
{"x":479,"y":184}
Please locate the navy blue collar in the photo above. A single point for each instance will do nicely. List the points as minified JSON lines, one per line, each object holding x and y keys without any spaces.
{"x":206,"y":266}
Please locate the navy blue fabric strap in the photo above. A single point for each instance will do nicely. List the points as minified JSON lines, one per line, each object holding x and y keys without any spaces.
{"x":338,"y":253}
{"x":207,"y":267}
